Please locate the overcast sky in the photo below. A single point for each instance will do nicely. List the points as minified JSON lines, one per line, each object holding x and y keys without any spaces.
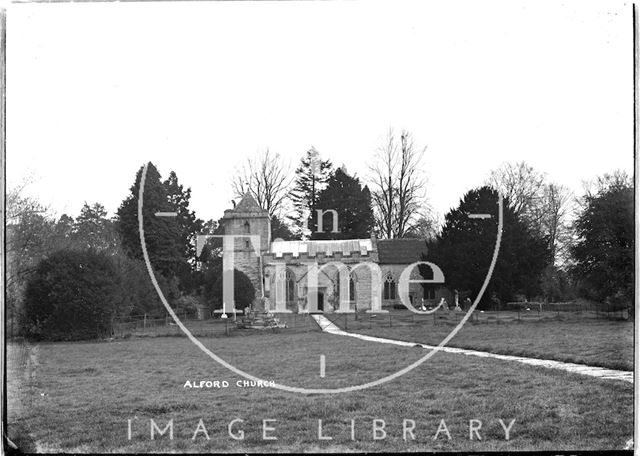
{"x":96,"y":90}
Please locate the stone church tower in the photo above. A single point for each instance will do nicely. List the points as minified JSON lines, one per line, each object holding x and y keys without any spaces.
{"x":247,"y":217}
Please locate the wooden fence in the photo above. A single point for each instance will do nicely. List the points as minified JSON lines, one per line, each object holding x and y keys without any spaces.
{"x":213,"y":327}
{"x":515,"y":314}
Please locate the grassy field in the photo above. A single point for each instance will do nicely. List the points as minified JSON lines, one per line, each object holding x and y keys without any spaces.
{"x":77,"y":397}
{"x":567,"y":337}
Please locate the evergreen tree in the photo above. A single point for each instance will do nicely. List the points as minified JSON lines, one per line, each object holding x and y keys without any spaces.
{"x":311,"y":178}
{"x":189,"y":224}
{"x":71,"y":296}
{"x":163,"y":235}
{"x":136,"y":294}
{"x":604,"y":251}
{"x":465,"y":247}
{"x":64,"y":228}
{"x":351,"y":201}
{"x":213,"y":246}
{"x":280,"y":230}
{"x":92,"y":229}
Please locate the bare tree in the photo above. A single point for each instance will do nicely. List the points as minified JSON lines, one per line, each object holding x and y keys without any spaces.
{"x":556,"y":210}
{"x":615,"y":180}
{"x":521,"y":184}
{"x":383,"y":172}
{"x":544,"y":207}
{"x":268,"y":178}
{"x":29,"y":230}
{"x":29,"y":224}
{"x":398,"y":187}
{"x":18,"y":203}
{"x":426,"y":227}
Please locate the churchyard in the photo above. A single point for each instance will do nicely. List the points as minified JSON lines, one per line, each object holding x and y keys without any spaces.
{"x":572,"y":337}
{"x":102,"y":396}
{"x":583,"y":337}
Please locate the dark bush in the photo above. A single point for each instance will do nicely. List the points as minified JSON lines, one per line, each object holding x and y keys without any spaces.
{"x":136,"y":294}
{"x":71,"y":296}
{"x":243,"y":291}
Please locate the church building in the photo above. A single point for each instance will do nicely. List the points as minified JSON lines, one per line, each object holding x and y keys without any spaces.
{"x":358,"y":271}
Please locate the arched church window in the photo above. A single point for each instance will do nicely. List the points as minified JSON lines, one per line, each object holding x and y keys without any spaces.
{"x":352,"y":289}
{"x":291,"y":284}
{"x":389,"y":287}
{"x":247,"y":228}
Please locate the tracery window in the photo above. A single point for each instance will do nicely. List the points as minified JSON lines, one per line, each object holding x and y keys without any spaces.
{"x":389,"y":287}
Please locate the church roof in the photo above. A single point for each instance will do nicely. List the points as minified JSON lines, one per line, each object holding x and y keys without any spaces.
{"x":248,"y":204}
{"x":329,"y":248}
{"x":401,"y":251}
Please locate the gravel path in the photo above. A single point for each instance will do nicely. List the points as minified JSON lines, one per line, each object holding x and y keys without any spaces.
{"x":600,"y":372}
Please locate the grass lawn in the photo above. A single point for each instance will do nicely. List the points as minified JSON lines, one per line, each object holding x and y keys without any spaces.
{"x":565,"y":337}
{"x":77,"y":397}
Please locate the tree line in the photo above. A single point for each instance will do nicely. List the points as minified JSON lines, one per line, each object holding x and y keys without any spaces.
{"x":390,"y":202}
{"x":71,"y":278}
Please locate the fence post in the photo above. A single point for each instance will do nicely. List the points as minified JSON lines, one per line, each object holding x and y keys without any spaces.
{"x":389,"y":320}
{"x":145,"y":321}
{"x":346,"y":317}
{"x":434,"y":319}
{"x":370,"y":321}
